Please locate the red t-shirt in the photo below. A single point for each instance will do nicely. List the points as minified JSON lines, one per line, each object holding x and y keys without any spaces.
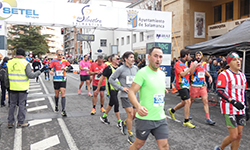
{"x":56,"y":66}
{"x":235,"y":86}
{"x":95,"y":67}
{"x":181,"y":82}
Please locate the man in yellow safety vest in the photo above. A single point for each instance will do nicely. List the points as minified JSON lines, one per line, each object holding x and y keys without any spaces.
{"x":19,"y":73}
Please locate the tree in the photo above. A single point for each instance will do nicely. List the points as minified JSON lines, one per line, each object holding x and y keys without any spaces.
{"x":28,"y":38}
{"x":136,"y":55}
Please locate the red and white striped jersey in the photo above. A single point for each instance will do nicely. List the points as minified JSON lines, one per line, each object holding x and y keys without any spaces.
{"x":235,"y":86}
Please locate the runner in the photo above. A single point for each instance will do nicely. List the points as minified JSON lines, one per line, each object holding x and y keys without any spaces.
{"x":198,"y":87}
{"x":46,"y":63}
{"x":36,"y":66}
{"x":96,"y":69}
{"x":182,"y":85}
{"x":150,"y":114}
{"x":231,"y":86}
{"x":112,"y":91}
{"x":125,"y":74}
{"x":84,"y":76}
{"x":58,"y":67}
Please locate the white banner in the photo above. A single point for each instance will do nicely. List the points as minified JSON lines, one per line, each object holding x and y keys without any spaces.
{"x":56,"y":13}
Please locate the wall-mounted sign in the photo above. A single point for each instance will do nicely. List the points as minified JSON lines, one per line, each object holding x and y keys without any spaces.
{"x":199,"y":25}
{"x":85,"y":37}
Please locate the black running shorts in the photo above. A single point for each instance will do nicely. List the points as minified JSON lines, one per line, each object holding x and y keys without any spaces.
{"x":84,"y":77}
{"x":58,"y":85}
{"x":102,"y":88}
{"x":184,"y":93}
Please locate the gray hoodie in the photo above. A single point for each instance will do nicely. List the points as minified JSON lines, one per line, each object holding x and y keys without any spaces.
{"x":123,"y":74}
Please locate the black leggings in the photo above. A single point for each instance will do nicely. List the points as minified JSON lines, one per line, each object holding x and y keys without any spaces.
{"x":46,"y":74}
{"x":114,"y":100}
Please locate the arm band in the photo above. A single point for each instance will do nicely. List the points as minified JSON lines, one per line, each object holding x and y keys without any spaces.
{"x":221,"y":93}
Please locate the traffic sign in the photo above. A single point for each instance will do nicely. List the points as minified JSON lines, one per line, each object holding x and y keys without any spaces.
{"x":85,"y":37}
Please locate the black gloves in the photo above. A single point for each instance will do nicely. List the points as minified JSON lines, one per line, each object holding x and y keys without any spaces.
{"x":44,"y":68}
{"x":237,"y":104}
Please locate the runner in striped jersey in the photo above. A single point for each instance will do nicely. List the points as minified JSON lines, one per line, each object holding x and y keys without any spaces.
{"x":231,"y":86}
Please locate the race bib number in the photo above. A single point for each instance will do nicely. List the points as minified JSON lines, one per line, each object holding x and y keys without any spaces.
{"x":36,"y":67}
{"x":129,"y":79}
{"x":85,"y":68}
{"x":159,"y":100}
{"x":59,"y":73}
{"x":201,"y":74}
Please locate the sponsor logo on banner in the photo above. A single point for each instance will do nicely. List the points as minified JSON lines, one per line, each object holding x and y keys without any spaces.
{"x":9,"y":8}
{"x":132,"y":18}
{"x":86,"y":19}
{"x":163,"y":36}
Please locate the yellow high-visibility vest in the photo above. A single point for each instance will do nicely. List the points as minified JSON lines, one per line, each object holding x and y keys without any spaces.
{"x":111,"y":87}
{"x":17,"y":76}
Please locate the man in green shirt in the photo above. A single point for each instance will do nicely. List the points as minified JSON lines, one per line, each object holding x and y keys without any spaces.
{"x":151,"y":118}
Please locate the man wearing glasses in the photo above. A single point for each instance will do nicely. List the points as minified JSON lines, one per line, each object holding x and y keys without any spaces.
{"x":58,"y":71}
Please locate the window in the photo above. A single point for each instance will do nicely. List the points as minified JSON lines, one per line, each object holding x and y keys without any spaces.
{"x":103,"y":42}
{"x":229,"y":10}
{"x":141,"y":37}
{"x":217,"y":13}
{"x":128,"y":39}
{"x":122,"y":41}
{"x":244,"y":7}
{"x":117,"y":41}
{"x":134,"y":38}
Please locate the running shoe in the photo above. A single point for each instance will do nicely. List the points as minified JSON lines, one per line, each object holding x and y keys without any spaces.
{"x":10,"y":125}
{"x":124,"y":129}
{"x":190,"y":118}
{"x":93,"y":111}
{"x":103,"y":110}
{"x":171,"y":114}
{"x":90,"y":94}
{"x":104,"y":120}
{"x":63,"y":113}
{"x":210,"y":122}
{"x":131,"y":139}
{"x":56,"y":108}
{"x":23,"y":125}
{"x":45,"y":78}
{"x":119,"y":125}
{"x":217,"y":148}
{"x":48,"y":79}
{"x":189,"y":124}
{"x":79,"y":92}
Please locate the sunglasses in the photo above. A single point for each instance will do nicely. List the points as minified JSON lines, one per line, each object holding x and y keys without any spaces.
{"x":60,"y":54}
{"x":117,"y":58}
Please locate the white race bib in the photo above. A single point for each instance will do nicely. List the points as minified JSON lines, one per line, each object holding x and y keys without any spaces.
{"x":201,"y":74}
{"x":159,"y":100}
{"x":85,"y":68}
{"x":129,"y":79}
{"x":36,"y":67}
{"x":59,"y":73}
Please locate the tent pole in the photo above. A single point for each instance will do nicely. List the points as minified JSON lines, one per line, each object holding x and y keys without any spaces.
{"x":176,"y":41}
{"x":244,"y":59}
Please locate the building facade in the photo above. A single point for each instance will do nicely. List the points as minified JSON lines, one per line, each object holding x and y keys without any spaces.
{"x":196,"y":21}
